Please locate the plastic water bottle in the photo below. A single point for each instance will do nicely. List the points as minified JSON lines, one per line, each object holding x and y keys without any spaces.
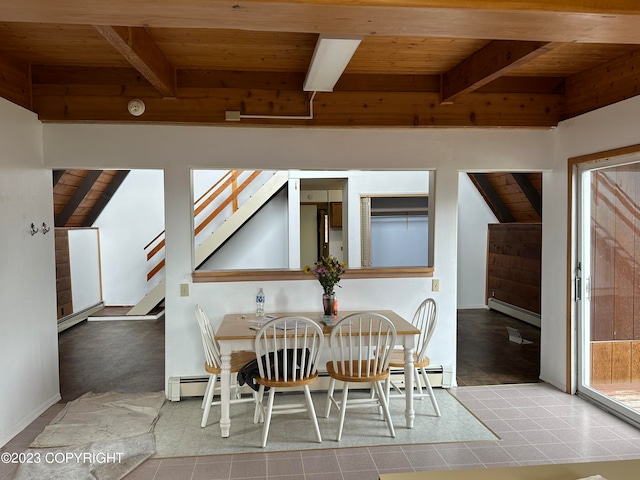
{"x":260,"y":303}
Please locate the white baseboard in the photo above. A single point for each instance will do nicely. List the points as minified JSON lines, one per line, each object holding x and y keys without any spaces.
{"x":560,"y":386}
{"x":154,"y":316}
{"x":26,"y":421}
{"x":472,"y":307}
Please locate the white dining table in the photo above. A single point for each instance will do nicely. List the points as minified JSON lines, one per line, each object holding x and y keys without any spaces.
{"x":235,"y":334}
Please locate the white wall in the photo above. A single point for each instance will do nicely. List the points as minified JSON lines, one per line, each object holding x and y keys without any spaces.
{"x":474,"y":215}
{"x":131,"y":219}
{"x":28,"y":327}
{"x":399,"y":241}
{"x":84,"y":263}
{"x":261,"y":243}
{"x":447,"y":151}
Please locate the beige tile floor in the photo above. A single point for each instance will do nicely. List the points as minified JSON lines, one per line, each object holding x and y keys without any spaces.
{"x":537,"y":424}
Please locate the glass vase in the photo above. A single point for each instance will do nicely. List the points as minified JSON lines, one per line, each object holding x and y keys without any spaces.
{"x":327,"y":303}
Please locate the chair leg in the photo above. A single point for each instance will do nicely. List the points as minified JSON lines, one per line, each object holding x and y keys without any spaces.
{"x":387,"y":388}
{"x":312,"y":412}
{"x":206,"y":393}
{"x":343,"y":409}
{"x":267,"y":418}
{"x":332,"y":385}
{"x":385,"y":407}
{"x":235,"y":388}
{"x":258,"y":412}
{"x":211,"y":388}
{"x":430,"y":390}
{"x":418,"y":383}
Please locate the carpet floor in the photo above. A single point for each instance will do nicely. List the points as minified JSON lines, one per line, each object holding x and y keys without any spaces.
{"x":178,"y":432}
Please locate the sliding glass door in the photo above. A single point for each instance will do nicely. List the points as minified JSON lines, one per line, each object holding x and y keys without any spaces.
{"x":608,"y":284}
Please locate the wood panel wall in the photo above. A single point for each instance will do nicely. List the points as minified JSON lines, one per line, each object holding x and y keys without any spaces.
{"x":615,"y":362}
{"x":615,"y":275}
{"x":615,"y":250}
{"x":514,"y":262}
{"x":63,"y":273}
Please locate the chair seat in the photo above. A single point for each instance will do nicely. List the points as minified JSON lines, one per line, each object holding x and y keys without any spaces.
{"x":238,"y":360}
{"x":366,"y":366}
{"x":397,"y":360}
{"x":287,"y":383}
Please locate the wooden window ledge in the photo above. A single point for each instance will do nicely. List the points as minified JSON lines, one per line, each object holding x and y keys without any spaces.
{"x":285,"y":274}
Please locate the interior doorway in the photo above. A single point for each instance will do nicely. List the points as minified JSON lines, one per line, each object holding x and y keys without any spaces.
{"x":321,"y":219}
{"x":499,"y":266}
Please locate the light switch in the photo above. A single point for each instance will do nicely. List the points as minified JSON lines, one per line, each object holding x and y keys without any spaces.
{"x":184,"y":289}
{"x":435,"y":285}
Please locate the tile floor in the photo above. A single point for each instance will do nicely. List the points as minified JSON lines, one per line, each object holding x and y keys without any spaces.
{"x":537,"y":424}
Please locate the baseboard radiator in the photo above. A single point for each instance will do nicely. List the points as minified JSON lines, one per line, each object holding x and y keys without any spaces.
{"x":77,"y":317}
{"x":182,"y":387}
{"x":515,"y":312}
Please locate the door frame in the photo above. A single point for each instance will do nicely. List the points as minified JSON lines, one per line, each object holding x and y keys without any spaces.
{"x":573,"y":330}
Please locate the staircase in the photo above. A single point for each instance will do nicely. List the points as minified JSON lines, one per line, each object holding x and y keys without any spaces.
{"x":233,"y":223}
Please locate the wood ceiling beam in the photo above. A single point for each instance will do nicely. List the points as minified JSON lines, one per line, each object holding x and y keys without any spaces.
{"x":101,"y":94}
{"x":493,"y":199}
{"x":614,"y":21}
{"x":104,"y":199}
{"x":529,"y":191}
{"x":57,"y":175}
{"x":603,"y":85}
{"x":15,"y":80}
{"x":128,"y":78}
{"x":351,"y":108}
{"x":63,"y":217}
{"x":137,"y":46}
{"x":495,"y":60}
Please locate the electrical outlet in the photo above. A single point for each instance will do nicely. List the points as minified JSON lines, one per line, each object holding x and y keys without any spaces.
{"x":435,"y":285}
{"x":184,"y":289}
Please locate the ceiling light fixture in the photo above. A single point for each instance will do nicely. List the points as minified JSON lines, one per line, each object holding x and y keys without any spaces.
{"x":136,"y":107}
{"x":330,"y":58}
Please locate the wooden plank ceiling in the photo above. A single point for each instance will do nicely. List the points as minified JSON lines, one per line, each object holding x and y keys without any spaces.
{"x":79,"y":196}
{"x":512,"y":197}
{"x":421,"y":63}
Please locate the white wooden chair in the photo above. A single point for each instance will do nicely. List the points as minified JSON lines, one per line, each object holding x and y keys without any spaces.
{"x":361,"y":346}
{"x":425,"y":320}
{"x":212,"y":365}
{"x":287,"y":349}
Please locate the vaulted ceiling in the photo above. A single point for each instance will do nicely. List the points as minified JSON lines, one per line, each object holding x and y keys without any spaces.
{"x":530,"y":63}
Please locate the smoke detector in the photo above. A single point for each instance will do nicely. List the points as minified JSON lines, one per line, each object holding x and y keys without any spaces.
{"x":136,"y":107}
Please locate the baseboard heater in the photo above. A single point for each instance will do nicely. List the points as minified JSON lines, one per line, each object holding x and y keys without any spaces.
{"x":515,"y":312}
{"x":77,"y":317}
{"x":183,"y":387}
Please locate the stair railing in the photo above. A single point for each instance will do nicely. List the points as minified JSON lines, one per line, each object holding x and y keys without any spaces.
{"x":230,"y":178}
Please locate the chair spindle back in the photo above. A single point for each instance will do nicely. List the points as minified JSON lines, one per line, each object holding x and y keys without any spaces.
{"x":287,"y":348}
{"x":211,"y":351}
{"x":361,"y":344}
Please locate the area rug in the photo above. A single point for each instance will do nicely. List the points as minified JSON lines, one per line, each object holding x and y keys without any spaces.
{"x":178,"y":432}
